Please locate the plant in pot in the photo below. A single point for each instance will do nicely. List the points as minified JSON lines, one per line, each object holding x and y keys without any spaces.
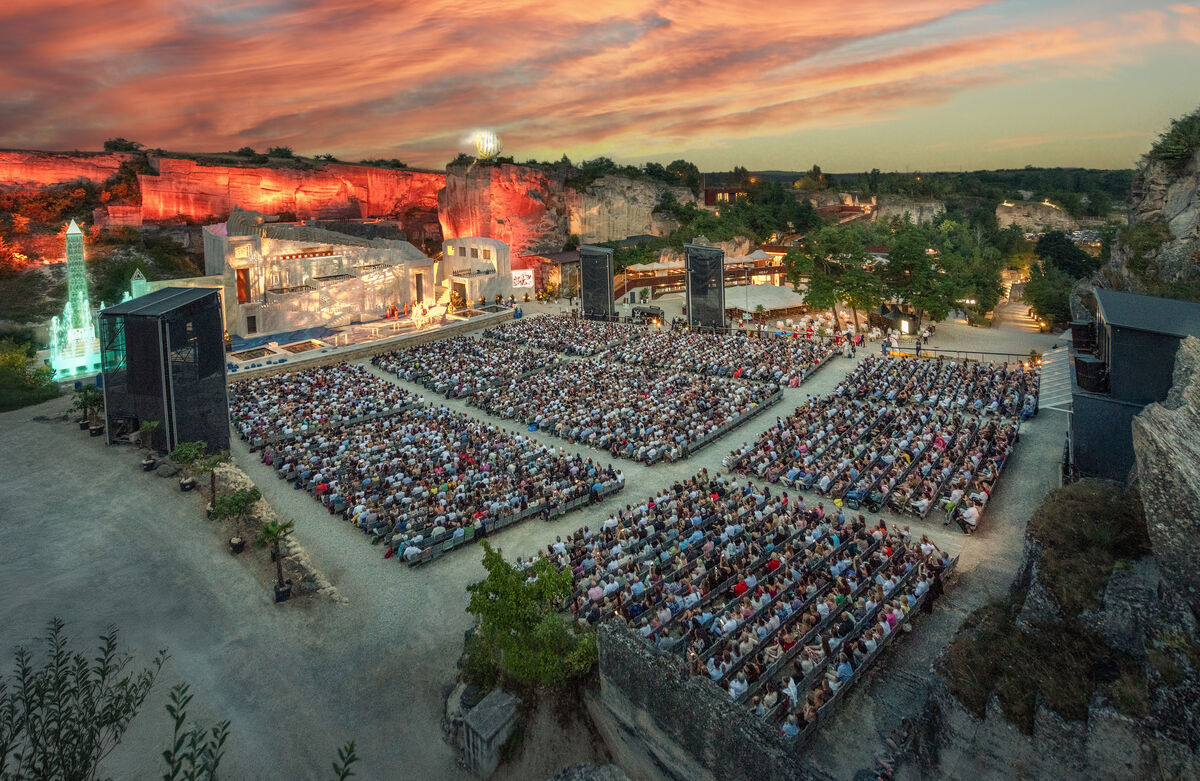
{"x":187,"y":455}
{"x":208,"y":466}
{"x":88,"y":401}
{"x":237,"y":506}
{"x":272,"y":534}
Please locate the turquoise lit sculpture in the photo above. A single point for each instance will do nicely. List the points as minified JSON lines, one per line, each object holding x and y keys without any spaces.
{"x":74,"y":347}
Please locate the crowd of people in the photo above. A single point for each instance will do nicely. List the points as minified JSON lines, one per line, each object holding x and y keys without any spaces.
{"x":785,"y":361}
{"x":430,"y":473}
{"x":639,"y":412}
{"x":908,"y":434}
{"x":299,"y":402}
{"x":564,"y":333}
{"x":778,"y":601}
{"x":462,"y":365}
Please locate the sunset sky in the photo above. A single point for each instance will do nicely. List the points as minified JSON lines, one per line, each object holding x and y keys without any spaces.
{"x":850,"y":85}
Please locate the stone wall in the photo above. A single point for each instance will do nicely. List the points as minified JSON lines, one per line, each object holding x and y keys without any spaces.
{"x":660,"y":722}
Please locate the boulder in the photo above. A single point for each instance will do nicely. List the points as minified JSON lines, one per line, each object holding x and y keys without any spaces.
{"x":167,"y":468}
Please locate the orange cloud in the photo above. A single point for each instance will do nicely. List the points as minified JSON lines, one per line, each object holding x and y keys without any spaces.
{"x":410,"y":79}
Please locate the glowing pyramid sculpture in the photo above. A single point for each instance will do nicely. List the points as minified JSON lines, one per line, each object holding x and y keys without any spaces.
{"x":74,"y":346}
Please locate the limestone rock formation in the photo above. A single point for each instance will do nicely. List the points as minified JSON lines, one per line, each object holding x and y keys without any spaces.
{"x":1166,"y":439}
{"x":918,"y":212}
{"x":1162,"y":246}
{"x":523,"y":207}
{"x":1035,"y":216}
{"x":42,"y":169}
{"x":335,"y":190}
{"x":613,"y":207}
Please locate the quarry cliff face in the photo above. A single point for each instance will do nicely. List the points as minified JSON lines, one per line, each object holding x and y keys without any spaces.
{"x":918,"y":212}
{"x":183,"y":187}
{"x":614,"y":207}
{"x":1035,"y":216}
{"x":43,"y":169}
{"x":523,"y":207}
{"x":1163,"y":244}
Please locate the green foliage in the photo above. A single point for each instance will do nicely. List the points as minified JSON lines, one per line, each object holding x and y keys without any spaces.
{"x":347,"y":757}
{"x":1059,"y":664}
{"x":1048,"y":292}
{"x":21,"y":384}
{"x":121,"y":145}
{"x":521,"y":626}
{"x":1141,"y":239}
{"x":60,"y":719}
{"x":186,"y":454}
{"x":246,"y":151}
{"x":571,"y":243}
{"x":382,"y":163}
{"x":280,"y":151}
{"x":272,"y":534}
{"x":195,"y":752}
{"x":1084,"y":528}
{"x":237,"y":505}
{"x":1179,"y":143}
{"x":1171,"y":672}
{"x":1130,"y":695}
{"x":1057,"y":249}
{"x":88,"y":400}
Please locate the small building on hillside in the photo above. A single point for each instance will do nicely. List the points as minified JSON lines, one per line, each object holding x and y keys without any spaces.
{"x":1120,"y":363}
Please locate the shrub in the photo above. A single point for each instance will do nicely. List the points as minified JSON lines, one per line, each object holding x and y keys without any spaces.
{"x":1179,"y":142}
{"x":1130,"y":696}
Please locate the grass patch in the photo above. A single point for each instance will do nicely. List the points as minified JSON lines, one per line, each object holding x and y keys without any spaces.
{"x":1179,"y":143}
{"x":1130,"y":696}
{"x":1172,"y":673}
{"x":1058,"y":664}
{"x":1084,"y":529}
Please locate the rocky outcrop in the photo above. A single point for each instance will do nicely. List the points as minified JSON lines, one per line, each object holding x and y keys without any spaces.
{"x":613,"y":207}
{"x":1034,"y":216}
{"x":1166,"y":441}
{"x":521,"y":206}
{"x":918,"y":212}
{"x":330,"y":191}
{"x":44,"y":169}
{"x":1161,"y":247}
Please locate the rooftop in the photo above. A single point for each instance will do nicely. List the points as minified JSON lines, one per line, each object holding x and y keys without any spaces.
{"x":1149,"y":313}
{"x":160,"y":301}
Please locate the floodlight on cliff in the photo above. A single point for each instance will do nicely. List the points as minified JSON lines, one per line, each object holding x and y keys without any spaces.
{"x":487,"y":144}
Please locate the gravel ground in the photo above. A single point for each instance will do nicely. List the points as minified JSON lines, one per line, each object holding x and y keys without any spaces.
{"x":107,"y":544}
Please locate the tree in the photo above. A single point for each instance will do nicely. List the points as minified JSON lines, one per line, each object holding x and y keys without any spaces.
{"x":187,"y":454}
{"x":246,"y":151}
{"x":1056,"y":248}
{"x":208,"y":466}
{"x":1048,"y":292}
{"x":685,"y":174}
{"x":61,"y":719}
{"x":272,"y":534}
{"x":20,"y":383}
{"x":280,"y":151}
{"x":739,"y":177}
{"x":88,"y":401}
{"x":520,"y":627}
{"x":121,"y":145}
{"x":861,"y":289}
{"x":236,"y":504}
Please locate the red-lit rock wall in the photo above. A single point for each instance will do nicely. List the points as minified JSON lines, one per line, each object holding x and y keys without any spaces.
{"x":42,"y":169}
{"x":524,"y":207}
{"x":182,"y":187}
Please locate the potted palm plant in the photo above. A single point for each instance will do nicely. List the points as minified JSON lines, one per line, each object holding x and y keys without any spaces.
{"x":208,"y":466}
{"x":272,"y":534}
{"x":88,"y":401}
{"x":187,"y":455}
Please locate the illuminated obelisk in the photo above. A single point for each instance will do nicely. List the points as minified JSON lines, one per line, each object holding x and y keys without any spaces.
{"x":74,"y":348}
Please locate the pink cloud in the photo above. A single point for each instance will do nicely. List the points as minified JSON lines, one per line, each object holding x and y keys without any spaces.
{"x":411,"y":79}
